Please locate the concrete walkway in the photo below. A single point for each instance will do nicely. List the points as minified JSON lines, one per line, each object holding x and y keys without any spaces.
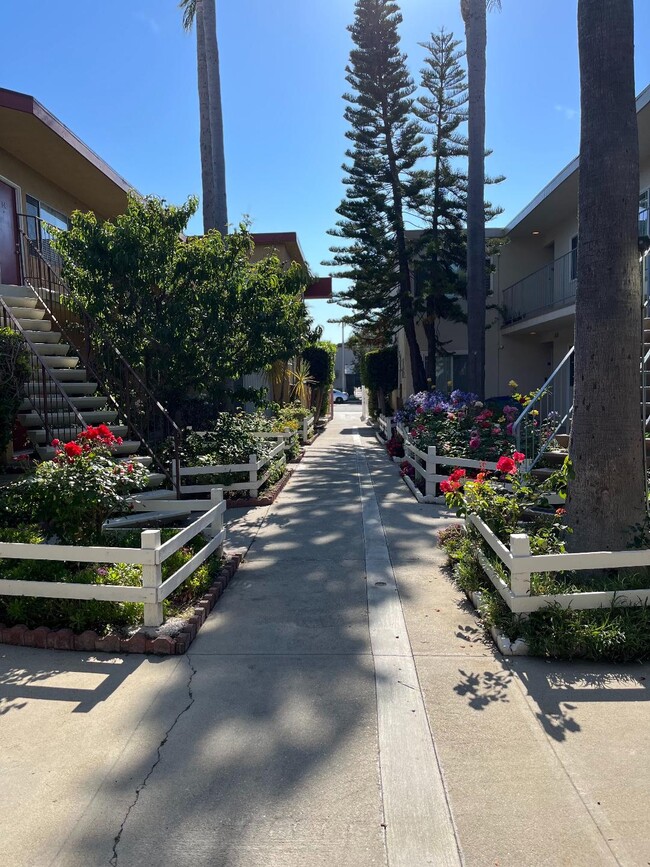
{"x":339,"y":708}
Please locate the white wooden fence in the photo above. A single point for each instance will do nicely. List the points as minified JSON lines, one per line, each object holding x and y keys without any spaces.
{"x":151,"y":554}
{"x":385,"y":424}
{"x":520,"y":563}
{"x":307,"y":432}
{"x":258,"y":473}
{"x":426,"y":466}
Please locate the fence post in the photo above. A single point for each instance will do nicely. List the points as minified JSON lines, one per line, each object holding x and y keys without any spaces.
{"x":430,"y":467}
{"x":252,"y":475}
{"x":305,"y":430}
{"x":216,"y":497}
{"x":152,"y":577}
{"x":519,"y":576}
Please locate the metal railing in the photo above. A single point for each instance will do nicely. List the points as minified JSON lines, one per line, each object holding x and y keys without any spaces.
{"x":55,"y":412}
{"x":144,"y":416}
{"x":546,"y":415}
{"x":550,"y":288}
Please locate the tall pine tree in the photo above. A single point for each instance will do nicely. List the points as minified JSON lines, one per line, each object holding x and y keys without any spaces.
{"x":383,"y":183}
{"x":440,"y":278}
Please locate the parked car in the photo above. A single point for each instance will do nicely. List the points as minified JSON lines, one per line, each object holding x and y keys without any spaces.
{"x":340,"y":396}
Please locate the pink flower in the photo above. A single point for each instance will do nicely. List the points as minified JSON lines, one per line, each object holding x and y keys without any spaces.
{"x":518,"y":457}
{"x":475,"y":442}
{"x":509,"y":429}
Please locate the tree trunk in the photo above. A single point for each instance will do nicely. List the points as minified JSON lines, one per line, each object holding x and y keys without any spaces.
{"x":216,"y":116}
{"x":607,"y":496}
{"x":205,"y":137}
{"x":432,"y":341}
{"x":476,"y":36}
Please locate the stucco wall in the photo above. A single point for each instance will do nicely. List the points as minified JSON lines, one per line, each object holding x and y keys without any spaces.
{"x":33,"y":184}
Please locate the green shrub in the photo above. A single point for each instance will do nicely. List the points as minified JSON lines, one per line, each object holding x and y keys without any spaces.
{"x":14,"y":373}
{"x":379,"y":374}
{"x":321,"y":358}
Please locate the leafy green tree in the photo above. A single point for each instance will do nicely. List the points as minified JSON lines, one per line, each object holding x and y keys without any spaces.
{"x":379,"y":373}
{"x":202,"y":15}
{"x":383,"y":183}
{"x":189,"y":313}
{"x":321,"y":358}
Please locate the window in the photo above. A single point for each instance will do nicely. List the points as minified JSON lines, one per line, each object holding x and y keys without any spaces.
{"x":574,"y":257}
{"x":451,"y":372}
{"x":39,"y":218}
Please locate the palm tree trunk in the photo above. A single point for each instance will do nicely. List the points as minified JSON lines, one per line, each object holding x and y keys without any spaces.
{"x":205,"y":136}
{"x":216,"y":115}
{"x":476,"y":35}
{"x":607,"y":496}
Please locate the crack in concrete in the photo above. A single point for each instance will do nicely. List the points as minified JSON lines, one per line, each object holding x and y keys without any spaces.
{"x":118,"y":836}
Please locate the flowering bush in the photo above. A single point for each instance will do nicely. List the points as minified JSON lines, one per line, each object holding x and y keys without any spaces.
{"x":395,"y":446}
{"x":459,"y":425}
{"x":72,"y":495}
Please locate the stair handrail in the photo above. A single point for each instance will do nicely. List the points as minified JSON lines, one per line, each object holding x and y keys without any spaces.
{"x":47,"y":378}
{"x":518,"y":424}
{"x":90,"y":326}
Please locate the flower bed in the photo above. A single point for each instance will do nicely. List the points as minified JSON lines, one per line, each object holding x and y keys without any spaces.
{"x":52,"y":526}
{"x":121,"y":574}
{"x":510,"y":558}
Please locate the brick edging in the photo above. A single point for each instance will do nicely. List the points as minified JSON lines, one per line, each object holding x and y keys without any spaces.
{"x":163,"y":645}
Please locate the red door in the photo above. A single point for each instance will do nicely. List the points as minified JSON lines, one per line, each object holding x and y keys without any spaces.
{"x":9,"y":265}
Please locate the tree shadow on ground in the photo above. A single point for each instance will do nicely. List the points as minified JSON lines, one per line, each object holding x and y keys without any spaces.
{"x":25,"y":677}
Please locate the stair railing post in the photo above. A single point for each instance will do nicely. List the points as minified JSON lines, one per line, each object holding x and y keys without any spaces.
{"x":46,"y":412}
{"x":152,"y":579}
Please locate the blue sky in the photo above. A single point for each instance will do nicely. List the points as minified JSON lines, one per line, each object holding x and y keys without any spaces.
{"x":122,"y":76}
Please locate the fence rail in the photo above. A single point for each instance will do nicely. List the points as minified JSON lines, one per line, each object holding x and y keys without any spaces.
{"x":151,"y":554}
{"x":521,"y":564}
{"x":253,"y":467}
{"x":386,"y":425}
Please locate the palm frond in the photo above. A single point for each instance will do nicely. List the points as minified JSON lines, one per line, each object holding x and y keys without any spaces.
{"x":189,"y":12}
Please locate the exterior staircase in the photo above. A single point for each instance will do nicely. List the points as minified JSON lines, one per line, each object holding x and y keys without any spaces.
{"x":62,"y":399}
{"x":545,"y":451}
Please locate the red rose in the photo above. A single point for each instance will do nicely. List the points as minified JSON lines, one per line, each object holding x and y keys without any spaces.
{"x":72,"y":450}
{"x":457,"y":474}
{"x":56,"y":442}
{"x":506,"y":465}
{"x":518,"y":457}
{"x":445,"y":487}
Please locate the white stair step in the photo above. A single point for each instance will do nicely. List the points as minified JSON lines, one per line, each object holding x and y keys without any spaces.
{"x":35,"y":388}
{"x":15,"y":291}
{"x":33,"y":419}
{"x":146,"y":496}
{"x":25,"y":315}
{"x":49,"y":347}
{"x":140,"y":519}
{"x":21,"y":302}
{"x":61,"y":362}
{"x":38,"y":436}
{"x":40,"y":337}
{"x":84,"y":404}
{"x":155,"y":480}
{"x":128,"y":450}
{"x":36,"y":325}
{"x":74,"y":374}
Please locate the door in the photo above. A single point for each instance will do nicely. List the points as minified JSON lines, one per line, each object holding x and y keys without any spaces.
{"x":9,"y":262}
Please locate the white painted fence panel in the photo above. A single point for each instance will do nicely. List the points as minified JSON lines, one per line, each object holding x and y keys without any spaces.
{"x":151,"y":555}
{"x":521,"y":564}
{"x":253,"y":467}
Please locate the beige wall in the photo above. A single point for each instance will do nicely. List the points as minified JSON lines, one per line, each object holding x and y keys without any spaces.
{"x":33,"y":184}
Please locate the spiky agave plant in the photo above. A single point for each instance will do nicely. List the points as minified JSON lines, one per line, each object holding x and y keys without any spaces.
{"x":302,"y":383}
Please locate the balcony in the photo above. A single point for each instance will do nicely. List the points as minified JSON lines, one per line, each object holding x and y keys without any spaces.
{"x":550,"y":288}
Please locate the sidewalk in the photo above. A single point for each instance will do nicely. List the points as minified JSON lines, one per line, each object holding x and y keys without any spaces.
{"x":294,"y":732}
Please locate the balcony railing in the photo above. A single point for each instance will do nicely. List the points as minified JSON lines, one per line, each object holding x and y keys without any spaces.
{"x":550,"y":288}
